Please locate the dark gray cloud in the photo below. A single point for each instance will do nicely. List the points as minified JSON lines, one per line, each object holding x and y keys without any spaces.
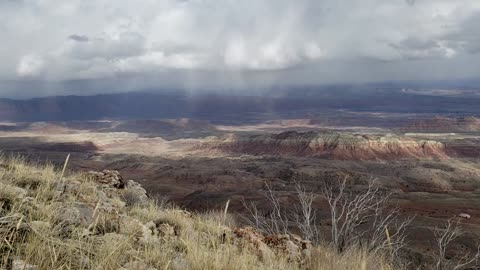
{"x":304,"y":41}
{"x":410,"y":2}
{"x":78,"y":38}
{"x":125,"y":45}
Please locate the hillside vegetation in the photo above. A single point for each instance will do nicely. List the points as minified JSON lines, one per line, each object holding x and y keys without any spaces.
{"x":101,"y":221}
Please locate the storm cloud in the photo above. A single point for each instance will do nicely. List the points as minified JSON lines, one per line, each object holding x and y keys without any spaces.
{"x":305,"y":41}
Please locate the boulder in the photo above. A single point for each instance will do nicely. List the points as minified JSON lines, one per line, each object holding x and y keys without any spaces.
{"x":109,"y":177}
{"x":74,"y":214}
{"x":134,"y":194}
{"x":255,"y":238}
{"x":292,"y":251}
{"x":148,"y":234}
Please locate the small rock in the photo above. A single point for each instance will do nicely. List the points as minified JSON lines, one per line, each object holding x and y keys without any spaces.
{"x":135,"y":194}
{"x":137,"y":265}
{"x":166,"y":229}
{"x":22,"y":265}
{"x":59,"y":188}
{"x":293,"y":251}
{"x":148,"y":235}
{"x":84,"y":262}
{"x":131,"y":226}
{"x":17,"y":192}
{"x":73,"y":186}
{"x":179,"y":263}
{"x":75,"y":214}
{"x":106,"y":202}
{"x":40,"y":226}
{"x":114,"y":238}
{"x":168,"y":226}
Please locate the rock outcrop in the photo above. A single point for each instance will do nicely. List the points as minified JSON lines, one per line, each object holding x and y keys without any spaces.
{"x":290,"y":245}
{"x":100,"y":218}
{"x":332,"y":145}
{"x":109,"y":177}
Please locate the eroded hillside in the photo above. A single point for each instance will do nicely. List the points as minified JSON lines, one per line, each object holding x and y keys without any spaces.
{"x":99,"y":220}
{"x":331,"y":145}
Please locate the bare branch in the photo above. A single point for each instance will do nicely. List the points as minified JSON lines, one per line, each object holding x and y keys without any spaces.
{"x":306,"y":215}
{"x":444,"y":237}
{"x":275,"y":221}
{"x":364,"y":219}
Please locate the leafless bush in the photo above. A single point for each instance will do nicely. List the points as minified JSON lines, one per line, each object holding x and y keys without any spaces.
{"x":275,"y":221}
{"x":357,"y":219}
{"x":364,"y":219}
{"x":444,"y":237}
{"x":279,"y":220}
{"x":305,"y":215}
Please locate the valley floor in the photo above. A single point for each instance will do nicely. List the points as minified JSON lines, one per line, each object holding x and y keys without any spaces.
{"x":234,"y":164}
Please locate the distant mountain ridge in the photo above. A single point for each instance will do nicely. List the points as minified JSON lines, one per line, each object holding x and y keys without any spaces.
{"x":297,"y":101}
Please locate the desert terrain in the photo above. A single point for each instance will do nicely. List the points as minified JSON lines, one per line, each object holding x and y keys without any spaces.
{"x":238,"y":135}
{"x":432,"y":176}
{"x":428,"y":160}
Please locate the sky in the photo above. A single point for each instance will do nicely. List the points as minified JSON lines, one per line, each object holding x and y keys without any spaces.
{"x":125,"y":45}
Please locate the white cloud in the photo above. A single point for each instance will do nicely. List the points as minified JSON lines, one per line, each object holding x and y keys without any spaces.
{"x":30,"y":65}
{"x":91,"y":39}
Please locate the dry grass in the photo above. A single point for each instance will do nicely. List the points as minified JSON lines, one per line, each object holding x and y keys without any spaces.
{"x":34,"y":228}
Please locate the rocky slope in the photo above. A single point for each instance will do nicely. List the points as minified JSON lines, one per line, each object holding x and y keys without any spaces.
{"x":332,"y":145}
{"x":99,"y":220}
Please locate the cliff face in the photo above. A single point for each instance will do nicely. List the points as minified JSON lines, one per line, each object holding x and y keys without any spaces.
{"x":330,"y":145}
